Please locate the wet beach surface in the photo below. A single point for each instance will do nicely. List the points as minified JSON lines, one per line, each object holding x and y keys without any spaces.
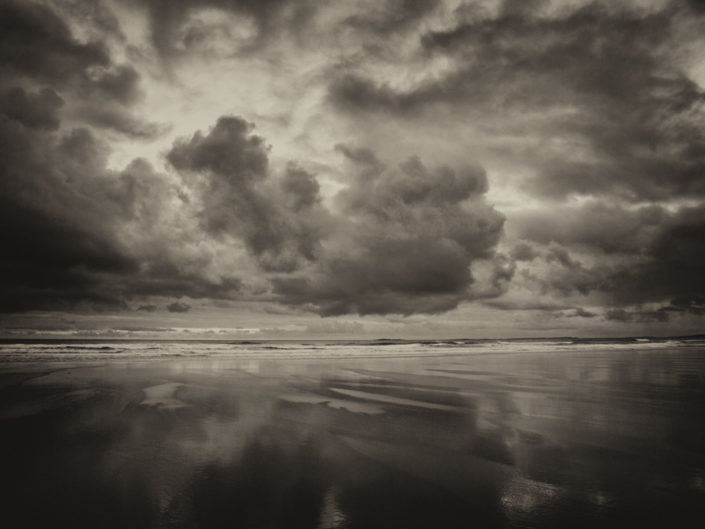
{"x":588,"y":438}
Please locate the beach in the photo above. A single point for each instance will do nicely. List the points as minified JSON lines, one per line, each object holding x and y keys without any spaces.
{"x":361,"y":435}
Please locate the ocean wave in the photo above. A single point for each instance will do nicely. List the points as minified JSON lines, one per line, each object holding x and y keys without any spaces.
{"x":124,"y":349}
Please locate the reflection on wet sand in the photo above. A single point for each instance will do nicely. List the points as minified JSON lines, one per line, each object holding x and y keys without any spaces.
{"x":597,"y":438}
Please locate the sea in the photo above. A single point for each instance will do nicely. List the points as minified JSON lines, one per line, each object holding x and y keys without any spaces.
{"x":61,"y":349}
{"x":532,"y":433}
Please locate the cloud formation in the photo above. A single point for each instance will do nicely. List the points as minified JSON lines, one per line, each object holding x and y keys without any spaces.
{"x":228,"y":169}
{"x":66,"y":218}
{"x":369,"y":158}
{"x":606,"y":74}
{"x":406,"y":243}
{"x":399,"y":239}
{"x":77,"y":233}
{"x":178,"y":306}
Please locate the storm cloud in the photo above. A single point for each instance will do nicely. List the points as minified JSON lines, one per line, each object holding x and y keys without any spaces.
{"x":610,"y":114}
{"x":406,"y":242}
{"x":77,"y":233}
{"x":606,"y":74}
{"x":228,"y":168}
{"x":398,"y":239}
{"x":367,"y":158}
{"x":66,"y":217}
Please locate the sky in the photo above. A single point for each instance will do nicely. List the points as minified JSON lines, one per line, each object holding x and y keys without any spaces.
{"x":352,"y":169}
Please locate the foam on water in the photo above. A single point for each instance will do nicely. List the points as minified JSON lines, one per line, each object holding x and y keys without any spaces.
{"x":77,"y":350}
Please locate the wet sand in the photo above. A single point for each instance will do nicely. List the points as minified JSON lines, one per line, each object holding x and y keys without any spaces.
{"x":599,"y":438}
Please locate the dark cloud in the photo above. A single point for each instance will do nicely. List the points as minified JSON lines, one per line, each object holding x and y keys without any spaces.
{"x":645,"y":255}
{"x":672,"y":263}
{"x":355,"y":93}
{"x":621,"y":121}
{"x":405,"y":277}
{"x":532,"y":304}
{"x":33,"y":110}
{"x":106,"y":102}
{"x":38,"y":43}
{"x":178,"y":306}
{"x":521,"y":8}
{"x":609,"y":227}
{"x":229,"y":169}
{"x":38,"y":48}
{"x":165,"y":279}
{"x":524,"y":252}
{"x":697,"y":5}
{"x":51,"y":231}
{"x":187,"y":28}
{"x":176,"y":31}
{"x":564,"y":275}
{"x":582,"y":313}
{"x":391,"y":15}
{"x":620,"y":315}
{"x":301,"y":188}
{"x":119,"y":83}
{"x":117,"y":119}
{"x":228,"y":151}
{"x":635,"y":115}
{"x":592,"y":100}
{"x":692,"y":305}
{"x":95,"y":17}
{"x":404,"y":241}
{"x":638,"y":316}
{"x":365,"y":160}
{"x":64,"y":218}
{"x":409,"y":237}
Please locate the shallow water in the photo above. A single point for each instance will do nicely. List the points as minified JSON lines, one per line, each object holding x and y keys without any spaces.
{"x":387,"y":437}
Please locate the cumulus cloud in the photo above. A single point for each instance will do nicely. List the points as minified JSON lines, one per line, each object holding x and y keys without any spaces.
{"x":624,"y":130}
{"x":278,"y":220}
{"x":75,"y":232}
{"x":524,"y":252}
{"x":607,"y":226}
{"x":582,"y":313}
{"x":398,"y":240}
{"x":52,"y":232}
{"x":178,"y":29}
{"x":591,"y":100}
{"x":228,"y":151}
{"x":178,"y":306}
{"x":34,"y":110}
{"x":389,"y":16}
{"x":406,"y":243}
{"x":641,"y":316}
{"x":671,"y":265}
{"x":38,"y":43}
{"x":638,"y":255}
{"x":372,"y":192}
{"x":402,"y":240}
{"x":39,"y":47}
